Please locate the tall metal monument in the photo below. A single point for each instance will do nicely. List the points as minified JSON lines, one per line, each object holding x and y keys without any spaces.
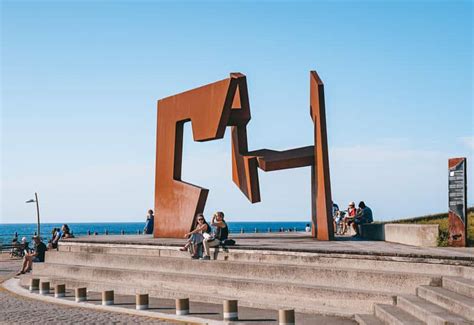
{"x":211,"y":109}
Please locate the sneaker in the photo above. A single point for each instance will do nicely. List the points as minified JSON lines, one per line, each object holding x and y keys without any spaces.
{"x":194,"y":257}
{"x":206,"y":258}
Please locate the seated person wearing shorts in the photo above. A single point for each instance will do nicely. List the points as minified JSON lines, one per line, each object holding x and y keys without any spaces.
{"x":37,"y":256}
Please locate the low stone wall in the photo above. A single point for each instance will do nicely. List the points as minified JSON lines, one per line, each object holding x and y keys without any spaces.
{"x":409,"y":234}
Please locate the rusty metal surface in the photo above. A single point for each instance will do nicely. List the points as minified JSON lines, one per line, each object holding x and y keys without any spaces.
{"x":321,"y":184}
{"x":457,"y":224}
{"x":210,"y":109}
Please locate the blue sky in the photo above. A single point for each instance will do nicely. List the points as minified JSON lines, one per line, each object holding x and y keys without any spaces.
{"x":80,"y":81}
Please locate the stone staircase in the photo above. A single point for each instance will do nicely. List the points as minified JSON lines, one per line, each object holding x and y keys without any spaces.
{"x":450,"y":303}
{"x":322,"y":283}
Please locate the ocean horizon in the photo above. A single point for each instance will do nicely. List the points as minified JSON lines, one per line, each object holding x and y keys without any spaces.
{"x":7,"y":230}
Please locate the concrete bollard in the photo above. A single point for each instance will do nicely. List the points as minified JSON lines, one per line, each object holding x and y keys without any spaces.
{"x":182,"y":306}
{"x":231,"y":311}
{"x":81,"y":294}
{"x":107,"y":298}
{"x":142,"y":301}
{"x":286,"y":317}
{"x":34,"y":284}
{"x":44,"y":288}
{"x":59,"y":290}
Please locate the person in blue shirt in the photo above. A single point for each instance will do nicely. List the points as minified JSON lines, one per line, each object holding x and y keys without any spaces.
{"x":364,"y":215}
{"x":149,"y":224}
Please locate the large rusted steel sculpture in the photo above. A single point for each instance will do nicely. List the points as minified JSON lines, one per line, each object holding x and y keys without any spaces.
{"x":211,"y":108}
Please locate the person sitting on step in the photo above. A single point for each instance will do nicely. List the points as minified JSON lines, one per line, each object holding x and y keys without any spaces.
{"x":196,"y":236}
{"x":349,"y":218}
{"x":37,"y":256}
{"x":220,"y":235}
{"x":364,"y":215}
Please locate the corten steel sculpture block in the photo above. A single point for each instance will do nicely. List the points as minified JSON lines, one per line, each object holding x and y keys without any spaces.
{"x":210,"y":109}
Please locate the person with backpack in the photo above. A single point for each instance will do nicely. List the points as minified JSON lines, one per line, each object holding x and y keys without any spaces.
{"x":220,"y":235}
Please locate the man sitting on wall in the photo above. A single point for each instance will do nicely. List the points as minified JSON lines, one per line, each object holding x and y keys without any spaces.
{"x":37,"y":256}
{"x":364,"y":215}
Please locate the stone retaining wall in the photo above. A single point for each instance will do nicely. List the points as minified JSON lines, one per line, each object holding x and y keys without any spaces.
{"x":409,"y":234}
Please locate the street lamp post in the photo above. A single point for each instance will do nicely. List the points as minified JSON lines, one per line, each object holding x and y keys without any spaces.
{"x":37,"y":213}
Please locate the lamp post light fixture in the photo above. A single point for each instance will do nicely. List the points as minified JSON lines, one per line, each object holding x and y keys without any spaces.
{"x":35,"y":200}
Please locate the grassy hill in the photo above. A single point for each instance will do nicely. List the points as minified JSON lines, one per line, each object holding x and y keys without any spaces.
{"x":442,"y":220}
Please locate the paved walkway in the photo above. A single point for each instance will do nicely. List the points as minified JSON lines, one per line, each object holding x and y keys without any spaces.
{"x":20,"y":310}
{"x":301,"y":242}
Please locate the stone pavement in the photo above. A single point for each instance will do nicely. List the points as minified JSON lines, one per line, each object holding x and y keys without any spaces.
{"x":300,"y":242}
{"x":20,"y":310}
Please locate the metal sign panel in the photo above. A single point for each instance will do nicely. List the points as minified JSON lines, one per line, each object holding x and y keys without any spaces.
{"x":457,"y":202}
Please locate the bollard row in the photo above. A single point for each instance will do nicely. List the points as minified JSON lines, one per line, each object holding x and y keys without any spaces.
{"x":230,"y":307}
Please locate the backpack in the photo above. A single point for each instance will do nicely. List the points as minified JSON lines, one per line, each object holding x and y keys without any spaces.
{"x":228,"y":242}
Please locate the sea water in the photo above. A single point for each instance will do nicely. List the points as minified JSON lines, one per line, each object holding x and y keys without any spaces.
{"x":7,"y":231}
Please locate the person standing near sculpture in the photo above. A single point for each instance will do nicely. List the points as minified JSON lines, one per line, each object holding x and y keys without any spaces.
{"x":220,"y":235}
{"x":149,"y":223}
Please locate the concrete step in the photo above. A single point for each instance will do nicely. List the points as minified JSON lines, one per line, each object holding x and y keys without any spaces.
{"x":459,"y":285}
{"x":393,"y":315}
{"x":366,"y":319}
{"x":261,"y":291}
{"x":452,"y":301}
{"x":387,"y":281}
{"x":363,"y":261}
{"x":299,"y":306}
{"x":428,"y":312}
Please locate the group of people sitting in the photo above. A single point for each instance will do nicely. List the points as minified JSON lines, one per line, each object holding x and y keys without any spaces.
{"x":33,"y":256}
{"x":204,"y":236}
{"x":19,"y":248}
{"x":351,"y":217}
{"x":58,"y":234}
{"x":36,"y":255}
